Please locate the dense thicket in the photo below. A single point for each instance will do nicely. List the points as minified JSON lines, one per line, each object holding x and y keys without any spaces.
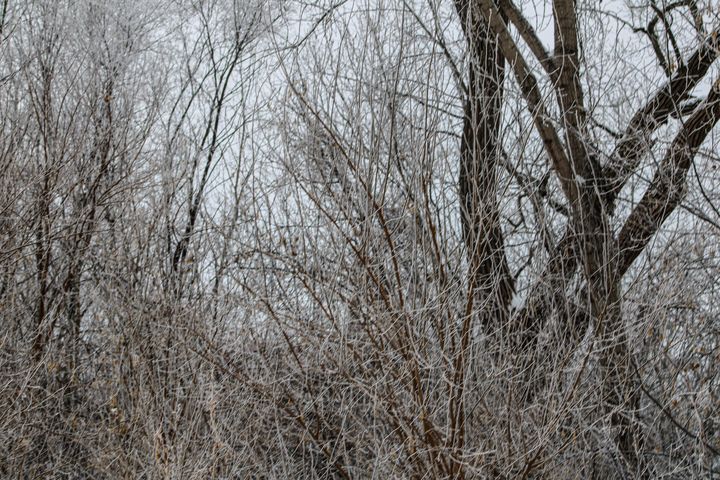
{"x":359,"y":239}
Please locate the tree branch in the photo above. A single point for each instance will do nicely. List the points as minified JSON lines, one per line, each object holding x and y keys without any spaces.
{"x":653,"y":114}
{"x":668,"y":186}
{"x":531,"y":93}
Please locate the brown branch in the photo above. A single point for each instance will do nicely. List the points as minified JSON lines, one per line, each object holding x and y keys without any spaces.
{"x":668,"y":186}
{"x":527,"y":32}
{"x":531,"y":93}
{"x":569,"y":91}
{"x":655,"y":113}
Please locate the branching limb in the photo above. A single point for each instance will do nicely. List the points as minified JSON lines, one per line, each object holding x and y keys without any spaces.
{"x":668,"y":186}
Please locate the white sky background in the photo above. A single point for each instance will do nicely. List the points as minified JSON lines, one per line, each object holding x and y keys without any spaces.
{"x":621,"y":70}
{"x":333,"y":40}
